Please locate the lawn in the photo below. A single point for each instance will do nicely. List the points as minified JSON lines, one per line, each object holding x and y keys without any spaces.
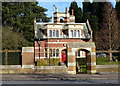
{"x":105,"y":61}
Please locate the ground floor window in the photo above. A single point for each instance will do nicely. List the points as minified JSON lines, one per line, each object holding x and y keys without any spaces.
{"x":54,"y":53}
{"x":50,"y":52}
{"x":57,"y":52}
{"x":80,"y":54}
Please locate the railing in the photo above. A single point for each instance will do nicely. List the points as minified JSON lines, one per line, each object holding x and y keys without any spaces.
{"x":11,"y":57}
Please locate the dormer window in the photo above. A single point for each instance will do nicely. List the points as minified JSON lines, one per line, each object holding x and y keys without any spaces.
{"x":72,"y":33}
{"x":78,"y":33}
{"x":50,"y":33}
{"x":57,"y":33}
{"x":53,"y":33}
{"x":75,"y":33}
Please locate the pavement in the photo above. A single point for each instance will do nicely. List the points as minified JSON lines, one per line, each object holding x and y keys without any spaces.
{"x":42,"y":77}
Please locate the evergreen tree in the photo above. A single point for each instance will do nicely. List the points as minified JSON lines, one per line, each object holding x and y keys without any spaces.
{"x":118,"y":16}
{"x":77,"y":12}
{"x":94,"y":24}
{"x":95,"y":18}
{"x":118,"y":9}
{"x":20,"y":16}
{"x":86,"y":10}
{"x":90,"y":13}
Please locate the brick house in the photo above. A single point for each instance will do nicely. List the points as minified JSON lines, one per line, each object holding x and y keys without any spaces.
{"x":66,"y":40}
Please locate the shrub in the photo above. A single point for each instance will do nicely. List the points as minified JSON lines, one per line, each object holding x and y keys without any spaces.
{"x":45,"y":62}
{"x":55,"y":61}
{"x":42,"y":62}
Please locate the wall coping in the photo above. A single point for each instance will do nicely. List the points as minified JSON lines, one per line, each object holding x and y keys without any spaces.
{"x":9,"y":66}
{"x":106,"y":66}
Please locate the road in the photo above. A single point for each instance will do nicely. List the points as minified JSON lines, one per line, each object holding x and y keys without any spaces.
{"x":106,"y":81}
{"x":46,"y":79}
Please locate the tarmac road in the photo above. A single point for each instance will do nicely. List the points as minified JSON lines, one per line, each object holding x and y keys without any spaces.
{"x":99,"y":81}
{"x":108,"y":82}
{"x":13,"y":77}
{"x":65,"y":79}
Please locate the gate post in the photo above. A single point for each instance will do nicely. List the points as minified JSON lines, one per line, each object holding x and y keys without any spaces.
{"x":91,"y":61}
{"x":71,"y":62}
{"x":27,"y":57}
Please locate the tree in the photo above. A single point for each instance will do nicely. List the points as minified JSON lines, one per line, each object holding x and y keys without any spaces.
{"x":77,"y":12}
{"x":20,"y":16}
{"x":90,"y":13}
{"x":118,"y":9}
{"x":86,"y":10}
{"x":108,"y":34}
{"x":118,"y":16}
{"x":11,"y":39}
{"x":94,"y":24}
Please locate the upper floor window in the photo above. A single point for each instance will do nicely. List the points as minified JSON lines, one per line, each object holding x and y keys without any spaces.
{"x":50,"y":33}
{"x":57,"y":33}
{"x":78,"y":33}
{"x":72,"y":33}
{"x":75,"y":33}
{"x":54,"y":33}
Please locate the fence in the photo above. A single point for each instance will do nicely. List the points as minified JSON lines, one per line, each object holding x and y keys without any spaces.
{"x":14,"y":57}
{"x":11,"y":57}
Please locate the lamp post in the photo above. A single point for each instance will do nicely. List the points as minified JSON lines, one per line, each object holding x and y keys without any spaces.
{"x":39,"y":47}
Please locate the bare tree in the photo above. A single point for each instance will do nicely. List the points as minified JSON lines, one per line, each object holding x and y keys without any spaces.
{"x":107,"y":37}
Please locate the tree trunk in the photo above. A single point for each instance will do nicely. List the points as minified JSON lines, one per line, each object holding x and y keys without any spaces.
{"x":110,"y":56}
{"x":6,"y":57}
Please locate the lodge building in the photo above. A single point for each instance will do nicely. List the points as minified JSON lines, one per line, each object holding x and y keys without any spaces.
{"x":66,"y":40}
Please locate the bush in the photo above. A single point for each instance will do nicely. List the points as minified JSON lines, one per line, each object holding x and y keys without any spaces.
{"x":55,"y":61}
{"x":45,"y":62}
{"x":42,"y":62}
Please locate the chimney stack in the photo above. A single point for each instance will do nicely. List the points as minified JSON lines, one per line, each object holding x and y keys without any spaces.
{"x":66,"y":9}
{"x":72,"y":11}
{"x":56,"y":9}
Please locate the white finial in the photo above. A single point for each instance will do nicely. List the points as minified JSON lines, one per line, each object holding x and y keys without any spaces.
{"x":34,"y":20}
{"x":56,"y":8}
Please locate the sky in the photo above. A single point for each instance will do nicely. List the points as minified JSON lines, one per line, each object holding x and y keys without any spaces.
{"x":61,"y":4}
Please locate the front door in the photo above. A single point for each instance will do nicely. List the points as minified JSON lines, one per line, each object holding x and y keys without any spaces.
{"x":63,"y":57}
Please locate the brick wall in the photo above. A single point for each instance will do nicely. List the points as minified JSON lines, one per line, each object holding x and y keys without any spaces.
{"x":27,"y":56}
